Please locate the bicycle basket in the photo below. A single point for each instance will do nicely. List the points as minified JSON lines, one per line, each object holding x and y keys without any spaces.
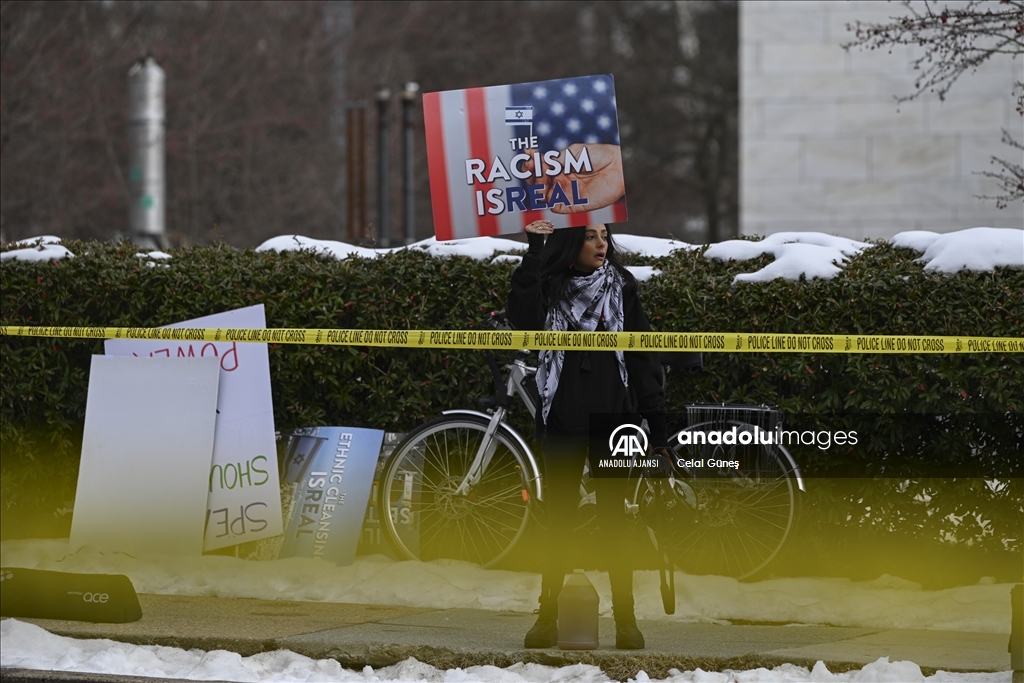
{"x":718,"y":415}
{"x":743,"y":430}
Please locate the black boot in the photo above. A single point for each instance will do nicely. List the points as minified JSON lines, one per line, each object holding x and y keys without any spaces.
{"x":545,"y":632}
{"x":627,"y":635}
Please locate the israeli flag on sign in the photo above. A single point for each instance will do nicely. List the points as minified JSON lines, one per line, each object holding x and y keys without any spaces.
{"x":515,"y":116}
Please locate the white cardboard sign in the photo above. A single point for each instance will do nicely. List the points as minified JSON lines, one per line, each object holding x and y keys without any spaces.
{"x":149,"y":430}
{"x":243,"y":485}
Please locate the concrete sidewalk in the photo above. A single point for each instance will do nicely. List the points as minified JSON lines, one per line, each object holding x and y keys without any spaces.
{"x":360,"y":635}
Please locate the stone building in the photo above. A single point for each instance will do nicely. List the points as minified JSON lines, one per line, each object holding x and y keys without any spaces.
{"x":824,"y":145}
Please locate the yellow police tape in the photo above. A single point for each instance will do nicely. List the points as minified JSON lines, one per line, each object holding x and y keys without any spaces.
{"x":539,"y":340}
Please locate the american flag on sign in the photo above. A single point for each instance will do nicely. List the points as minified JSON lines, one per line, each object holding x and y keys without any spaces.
{"x":482,"y":143}
{"x":571,"y":110}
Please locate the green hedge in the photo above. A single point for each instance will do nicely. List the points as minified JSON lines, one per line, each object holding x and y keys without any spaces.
{"x":43,"y":382}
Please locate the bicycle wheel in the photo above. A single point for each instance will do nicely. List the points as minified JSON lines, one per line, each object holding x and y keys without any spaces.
{"x":425,"y":519}
{"x":743,"y":515}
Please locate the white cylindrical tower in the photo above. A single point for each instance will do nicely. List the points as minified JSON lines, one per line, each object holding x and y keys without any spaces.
{"x":146,"y":161}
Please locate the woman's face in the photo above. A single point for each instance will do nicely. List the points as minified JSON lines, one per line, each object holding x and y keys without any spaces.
{"x":594,"y":250}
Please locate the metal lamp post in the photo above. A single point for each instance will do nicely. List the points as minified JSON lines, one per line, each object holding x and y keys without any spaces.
{"x":383,"y":186}
{"x":408,"y":101}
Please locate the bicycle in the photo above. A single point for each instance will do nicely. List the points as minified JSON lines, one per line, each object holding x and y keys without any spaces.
{"x":736,"y":517}
{"x":463,"y":486}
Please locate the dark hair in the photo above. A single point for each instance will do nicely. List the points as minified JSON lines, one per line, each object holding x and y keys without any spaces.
{"x":561,"y":250}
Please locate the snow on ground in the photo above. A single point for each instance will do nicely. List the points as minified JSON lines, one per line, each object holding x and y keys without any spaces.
{"x":810,"y":254}
{"x":27,"y":646}
{"x":886,"y":602}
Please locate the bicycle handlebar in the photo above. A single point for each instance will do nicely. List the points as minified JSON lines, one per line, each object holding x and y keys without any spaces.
{"x":496,"y":319}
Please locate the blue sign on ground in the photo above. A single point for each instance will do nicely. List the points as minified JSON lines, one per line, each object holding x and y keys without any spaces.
{"x":332,"y":468}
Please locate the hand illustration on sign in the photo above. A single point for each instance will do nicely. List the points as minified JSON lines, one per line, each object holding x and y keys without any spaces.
{"x":601,"y":187}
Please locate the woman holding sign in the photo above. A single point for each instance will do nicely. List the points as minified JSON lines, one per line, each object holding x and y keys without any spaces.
{"x":576,"y":282}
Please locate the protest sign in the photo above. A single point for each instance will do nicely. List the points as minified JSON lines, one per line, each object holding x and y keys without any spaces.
{"x":503,"y":156}
{"x":146,"y":449}
{"x":372,"y":541}
{"x":243,"y":485}
{"x":332,"y":469}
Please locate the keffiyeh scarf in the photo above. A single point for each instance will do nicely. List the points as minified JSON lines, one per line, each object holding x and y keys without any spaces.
{"x":588,"y":300}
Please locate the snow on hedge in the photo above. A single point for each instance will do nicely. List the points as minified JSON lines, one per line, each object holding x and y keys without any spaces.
{"x":649,"y":246}
{"x":43,"y":248}
{"x":338,"y":250}
{"x":979,"y":249}
{"x":796,"y":254}
{"x":807,"y":254}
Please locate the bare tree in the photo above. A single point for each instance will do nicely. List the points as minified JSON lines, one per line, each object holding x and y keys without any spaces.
{"x":708,"y":81}
{"x":57,"y":154}
{"x":956,"y":41}
{"x":1010,"y":175}
{"x":250,"y":146}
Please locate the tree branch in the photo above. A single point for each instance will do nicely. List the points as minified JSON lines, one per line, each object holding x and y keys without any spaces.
{"x":955,"y":41}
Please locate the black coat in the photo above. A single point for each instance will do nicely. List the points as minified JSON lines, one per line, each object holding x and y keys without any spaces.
{"x":590,"y":381}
